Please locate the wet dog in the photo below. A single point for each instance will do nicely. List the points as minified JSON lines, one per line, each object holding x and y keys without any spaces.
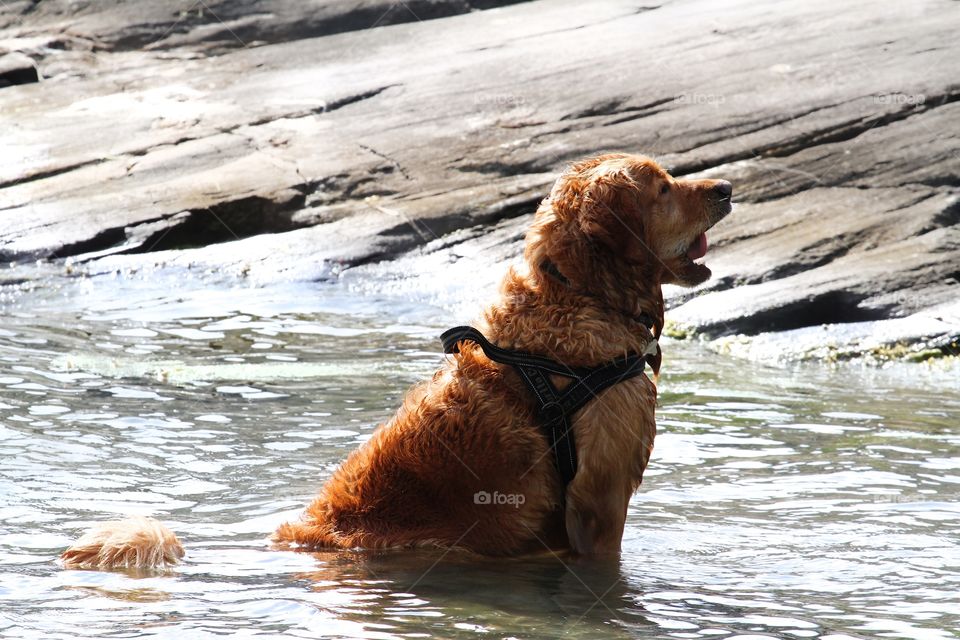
{"x":464,"y":463}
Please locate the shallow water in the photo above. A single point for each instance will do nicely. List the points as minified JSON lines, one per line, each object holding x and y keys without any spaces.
{"x":788,"y":503}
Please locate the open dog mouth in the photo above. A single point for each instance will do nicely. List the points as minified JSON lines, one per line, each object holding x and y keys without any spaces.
{"x":698,"y":248}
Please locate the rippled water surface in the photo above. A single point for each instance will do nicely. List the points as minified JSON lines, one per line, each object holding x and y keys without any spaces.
{"x":796,"y":503}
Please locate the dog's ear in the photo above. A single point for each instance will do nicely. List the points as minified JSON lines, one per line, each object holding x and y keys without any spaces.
{"x":609,"y":213}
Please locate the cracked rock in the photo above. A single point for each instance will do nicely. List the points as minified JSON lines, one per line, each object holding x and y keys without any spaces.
{"x":304,"y":140}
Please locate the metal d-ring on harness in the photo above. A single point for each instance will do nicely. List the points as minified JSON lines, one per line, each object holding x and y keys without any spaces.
{"x":555,"y":408}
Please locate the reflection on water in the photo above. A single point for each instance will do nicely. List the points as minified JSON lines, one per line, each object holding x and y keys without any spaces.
{"x":779,"y":503}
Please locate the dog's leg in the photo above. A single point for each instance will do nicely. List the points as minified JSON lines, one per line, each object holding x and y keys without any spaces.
{"x":613,"y":453}
{"x":595,"y":514}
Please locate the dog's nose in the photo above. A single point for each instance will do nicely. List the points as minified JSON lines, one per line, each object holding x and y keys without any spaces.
{"x":724,"y":188}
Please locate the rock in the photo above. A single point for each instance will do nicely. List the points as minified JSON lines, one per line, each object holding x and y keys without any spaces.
{"x":808,"y":264}
{"x":124,"y":25}
{"x":929,"y":336}
{"x":289,"y":141}
{"x":16,"y":68}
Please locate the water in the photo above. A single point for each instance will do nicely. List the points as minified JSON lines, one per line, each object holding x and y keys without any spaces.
{"x":800,"y":503}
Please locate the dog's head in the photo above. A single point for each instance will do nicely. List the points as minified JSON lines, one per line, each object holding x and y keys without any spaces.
{"x":620,"y":212}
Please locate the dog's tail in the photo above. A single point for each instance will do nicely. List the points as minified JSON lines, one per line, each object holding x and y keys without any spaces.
{"x":136,"y":542}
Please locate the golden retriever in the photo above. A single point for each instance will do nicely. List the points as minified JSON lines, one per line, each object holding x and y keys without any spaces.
{"x":464,"y":463}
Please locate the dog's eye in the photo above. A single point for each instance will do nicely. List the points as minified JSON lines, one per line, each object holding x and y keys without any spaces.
{"x":665,"y":188}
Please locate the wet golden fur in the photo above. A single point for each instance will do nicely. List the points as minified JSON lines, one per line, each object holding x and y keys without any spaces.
{"x":616,"y":227}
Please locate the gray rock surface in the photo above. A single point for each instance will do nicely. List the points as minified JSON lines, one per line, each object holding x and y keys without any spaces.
{"x":296,"y":140}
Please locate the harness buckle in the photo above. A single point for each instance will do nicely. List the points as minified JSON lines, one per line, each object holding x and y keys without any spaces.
{"x":551,"y":413}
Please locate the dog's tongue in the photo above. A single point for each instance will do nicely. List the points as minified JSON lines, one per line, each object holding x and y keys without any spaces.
{"x":699,"y":247}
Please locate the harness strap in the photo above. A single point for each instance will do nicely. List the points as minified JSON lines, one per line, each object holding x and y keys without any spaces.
{"x":555,"y":409}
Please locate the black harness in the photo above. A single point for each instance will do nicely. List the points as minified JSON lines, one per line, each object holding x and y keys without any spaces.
{"x":555,"y":408}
